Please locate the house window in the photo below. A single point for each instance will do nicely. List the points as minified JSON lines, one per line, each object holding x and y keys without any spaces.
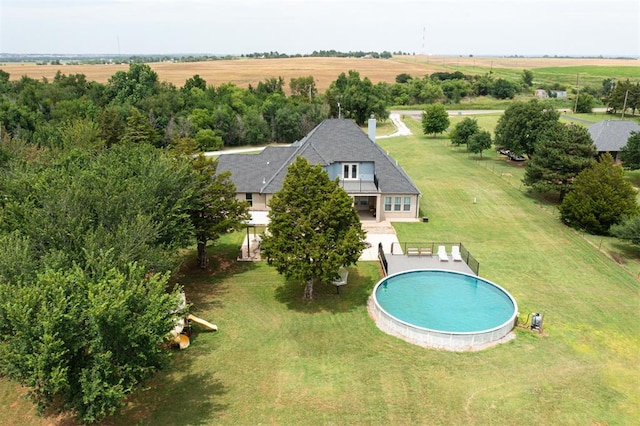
{"x":407,"y":204}
{"x":249,"y":198}
{"x":387,"y":204}
{"x":362,"y":201}
{"x":396,"y":205}
{"x":349,"y":171}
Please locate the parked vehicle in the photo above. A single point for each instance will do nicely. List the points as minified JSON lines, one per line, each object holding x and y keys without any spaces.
{"x":511,"y":155}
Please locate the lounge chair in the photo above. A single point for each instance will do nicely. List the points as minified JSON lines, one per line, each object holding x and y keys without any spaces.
{"x":455,"y":254}
{"x":442,"y":254}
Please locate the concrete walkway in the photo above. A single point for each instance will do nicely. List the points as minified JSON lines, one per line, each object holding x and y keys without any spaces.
{"x":377,"y":232}
{"x":401,"y":128}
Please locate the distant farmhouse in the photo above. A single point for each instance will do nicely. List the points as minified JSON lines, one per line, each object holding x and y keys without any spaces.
{"x":379,"y":187}
{"x":544,"y":94}
{"x":611,"y":135}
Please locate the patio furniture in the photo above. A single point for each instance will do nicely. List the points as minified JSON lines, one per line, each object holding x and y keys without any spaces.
{"x":413,"y":251}
{"x":442,"y":254}
{"x":455,"y":254}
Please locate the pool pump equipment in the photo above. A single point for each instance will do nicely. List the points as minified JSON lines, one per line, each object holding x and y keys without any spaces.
{"x":536,"y":321}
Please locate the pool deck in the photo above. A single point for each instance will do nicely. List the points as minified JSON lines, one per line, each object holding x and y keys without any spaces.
{"x":402,"y":262}
{"x":384,"y":233}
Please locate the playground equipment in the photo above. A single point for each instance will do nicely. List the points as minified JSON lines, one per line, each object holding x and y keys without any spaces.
{"x":182,"y":330}
{"x":203,"y":323}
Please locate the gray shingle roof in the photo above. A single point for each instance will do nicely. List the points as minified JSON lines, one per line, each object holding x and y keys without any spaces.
{"x":332,"y":141}
{"x":612,"y":135}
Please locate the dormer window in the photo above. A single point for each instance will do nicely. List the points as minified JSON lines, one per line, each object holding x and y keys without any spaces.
{"x":349,"y":171}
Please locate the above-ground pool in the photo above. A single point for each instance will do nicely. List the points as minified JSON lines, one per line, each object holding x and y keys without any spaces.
{"x":443,"y":309}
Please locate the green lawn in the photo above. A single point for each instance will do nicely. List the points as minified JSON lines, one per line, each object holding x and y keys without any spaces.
{"x":279,"y":360}
{"x":590,"y":75}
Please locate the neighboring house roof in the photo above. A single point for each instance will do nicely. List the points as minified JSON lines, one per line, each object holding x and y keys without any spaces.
{"x":332,"y":141}
{"x":612,"y":135}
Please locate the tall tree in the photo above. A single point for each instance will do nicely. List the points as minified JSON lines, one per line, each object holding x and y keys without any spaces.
{"x":523,"y":124}
{"x":600,"y":197}
{"x":194,"y":82}
{"x":130,"y":202}
{"x":479,"y":141}
{"x":435,"y":119}
{"x":352,"y":97}
{"x":303,"y":89}
{"x":287,"y":125}
{"x":134,"y":85}
{"x":208,"y":140}
{"x":215,"y":210}
{"x":464,"y":130}
{"x":82,"y":341}
{"x":559,"y":159}
{"x":625,"y":95}
{"x":424,"y":91}
{"x":455,"y":89}
{"x":584,"y":103}
{"x":314,"y":228}
{"x":139,"y":129}
{"x":112,"y":125}
{"x":527,"y":78}
{"x":630,"y":153}
{"x":504,"y":89}
{"x":270,"y":86}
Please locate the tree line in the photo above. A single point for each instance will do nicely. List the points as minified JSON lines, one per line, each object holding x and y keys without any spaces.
{"x":134,"y":103}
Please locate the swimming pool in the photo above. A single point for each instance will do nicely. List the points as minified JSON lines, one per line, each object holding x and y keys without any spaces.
{"x":443,"y":309}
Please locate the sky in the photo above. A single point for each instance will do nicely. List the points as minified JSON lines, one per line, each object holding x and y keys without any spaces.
{"x":610,"y":28}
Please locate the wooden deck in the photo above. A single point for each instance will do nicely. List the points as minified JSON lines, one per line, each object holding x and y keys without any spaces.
{"x":405,"y":262}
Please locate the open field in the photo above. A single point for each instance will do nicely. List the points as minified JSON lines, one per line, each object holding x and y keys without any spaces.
{"x":279,"y":360}
{"x":243,"y":72}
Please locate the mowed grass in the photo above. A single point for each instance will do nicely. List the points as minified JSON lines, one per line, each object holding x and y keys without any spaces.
{"x":279,"y":360}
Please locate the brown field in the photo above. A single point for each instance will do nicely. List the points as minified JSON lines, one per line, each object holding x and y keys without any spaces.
{"x":243,"y":72}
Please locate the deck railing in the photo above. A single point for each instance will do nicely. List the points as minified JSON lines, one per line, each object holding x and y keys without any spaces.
{"x":431,"y":249}
{"x":383,"y":259}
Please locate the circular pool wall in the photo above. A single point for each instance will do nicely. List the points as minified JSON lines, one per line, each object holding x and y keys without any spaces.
{"x":443,"y":309}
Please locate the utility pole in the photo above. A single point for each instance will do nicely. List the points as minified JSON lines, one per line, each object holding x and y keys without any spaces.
{"x":575,"y":107}
{"x":624,"y":106}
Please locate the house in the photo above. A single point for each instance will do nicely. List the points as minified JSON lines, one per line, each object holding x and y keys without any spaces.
{"x":611,"y":135}
{"x":544,"y":94}
{"x":379,"y":187}
{"x":541,"y":94}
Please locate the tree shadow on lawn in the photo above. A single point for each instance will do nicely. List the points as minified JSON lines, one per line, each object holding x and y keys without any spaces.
{"x":175,"y":398}
{"x":325,"y":297}
{"x":205,"y":288}
{"x":551,"y":200}
{"x":624,"y":250}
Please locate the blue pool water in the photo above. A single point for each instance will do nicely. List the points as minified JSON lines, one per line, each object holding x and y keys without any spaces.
{"x":445,"y":301}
